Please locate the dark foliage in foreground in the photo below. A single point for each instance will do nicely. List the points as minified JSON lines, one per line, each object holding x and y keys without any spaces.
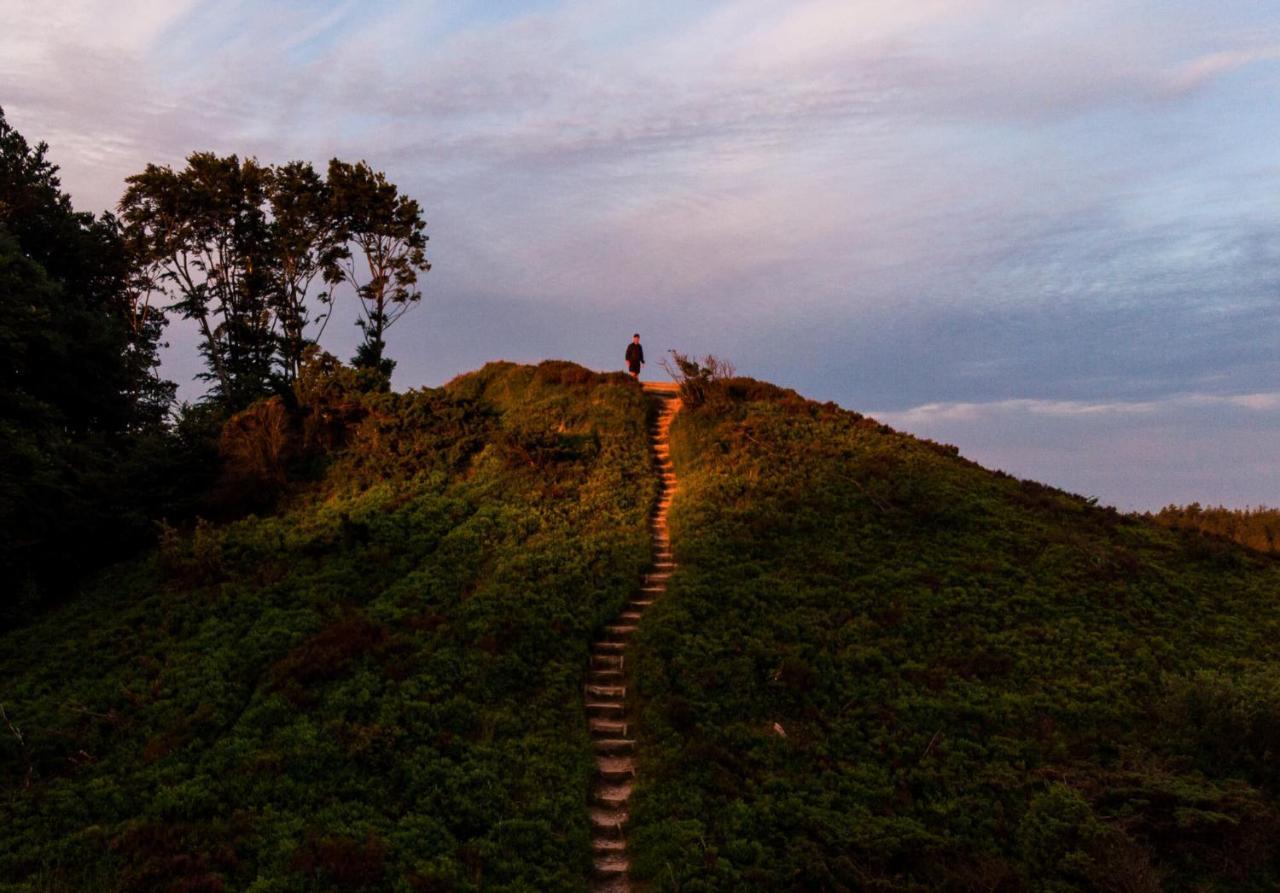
{"x":376,"y":688}
{"x":81,"y":408}
{"x":881,"y":667}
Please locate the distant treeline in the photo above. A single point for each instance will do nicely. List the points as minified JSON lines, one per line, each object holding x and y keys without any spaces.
{"x":1258,"y":528}
{"x":93,"y":449}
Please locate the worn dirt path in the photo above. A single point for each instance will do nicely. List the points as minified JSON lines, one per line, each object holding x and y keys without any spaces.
{"x":606,"y":690}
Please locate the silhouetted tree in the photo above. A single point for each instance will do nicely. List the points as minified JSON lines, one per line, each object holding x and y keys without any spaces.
{"x":307,"y":245}
{"x":201,"y":234}
{"x":386,"y":229}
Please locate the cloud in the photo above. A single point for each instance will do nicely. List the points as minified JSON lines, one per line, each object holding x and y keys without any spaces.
{"x":931,"y":413}
{"x":1211,"y":448}
{"x":1205,"y":68}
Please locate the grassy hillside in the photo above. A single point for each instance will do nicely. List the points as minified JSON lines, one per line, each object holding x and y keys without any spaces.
{"x":376,"y":687}
{"x":881,"y":667}
{"x":878,"y":667}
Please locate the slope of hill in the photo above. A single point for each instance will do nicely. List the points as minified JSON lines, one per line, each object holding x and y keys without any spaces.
{"x":378,"y":687}
{"x":881,"y":667}
{"x":876,"y":666}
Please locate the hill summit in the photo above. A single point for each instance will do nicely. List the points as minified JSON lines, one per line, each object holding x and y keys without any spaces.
{"x":874,"y":665}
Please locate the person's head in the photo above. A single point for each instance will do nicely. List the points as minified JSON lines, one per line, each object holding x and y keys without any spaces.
{"x":636,"y":337}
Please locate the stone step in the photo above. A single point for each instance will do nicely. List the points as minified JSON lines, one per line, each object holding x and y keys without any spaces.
{"x":606,"y":662}
{"x":612,"y":795}
{"x":606,"y":692}
{"x":611,"y":877}
{"x":605,"y":677}
{"x":608,"y":845}
{"x":615,"y":768}
{"x":614,"y":746}
{"x":630,"y":616}
{"x":641,"y":603}
{"x":659,"y":576}
{"x":619,"y":629}
{"x":664,"y":565}
{"x":609,"y":647}
{"x":608,"y":822}
{"x":606,"y":708}
{"x":606,"y":728}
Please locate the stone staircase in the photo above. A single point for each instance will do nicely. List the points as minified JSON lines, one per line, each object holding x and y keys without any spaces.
{"x":606,"y":689}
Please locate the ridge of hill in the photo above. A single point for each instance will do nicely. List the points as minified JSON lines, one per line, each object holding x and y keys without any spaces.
{"x":876,"y":665}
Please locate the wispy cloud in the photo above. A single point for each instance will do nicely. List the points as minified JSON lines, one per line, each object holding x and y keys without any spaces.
{"x":929,"y":413}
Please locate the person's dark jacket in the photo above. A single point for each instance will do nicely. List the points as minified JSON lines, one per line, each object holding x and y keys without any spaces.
{"x":635,"y":354}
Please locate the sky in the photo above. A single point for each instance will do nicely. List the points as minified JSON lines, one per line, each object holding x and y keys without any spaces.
{"x":1042,"y":230}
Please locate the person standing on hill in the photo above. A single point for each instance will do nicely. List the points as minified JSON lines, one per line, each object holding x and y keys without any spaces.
{"x":635,"y":356}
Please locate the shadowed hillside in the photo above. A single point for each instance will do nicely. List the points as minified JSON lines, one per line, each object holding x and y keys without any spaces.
{"x":881,"y":667}
{"x":376,"y":688}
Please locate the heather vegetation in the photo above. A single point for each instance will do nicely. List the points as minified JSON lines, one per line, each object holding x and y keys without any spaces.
{"x":1258,"y":528}
{"x":881,"y":667}
{"x":375,"y":687}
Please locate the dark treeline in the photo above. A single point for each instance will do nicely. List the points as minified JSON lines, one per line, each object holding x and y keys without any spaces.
{"x":1258,"y":528}
{"x":93,"y":449}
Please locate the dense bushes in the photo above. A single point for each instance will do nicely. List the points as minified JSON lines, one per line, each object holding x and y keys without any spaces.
{"x":378,"y":688}
{"x":880,"y":667}
{"x":1257,"y":528}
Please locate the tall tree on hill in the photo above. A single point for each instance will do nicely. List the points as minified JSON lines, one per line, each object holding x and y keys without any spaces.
{"x":386,"y":228}
{"x":202,"y":235}
{"x":307,"y":245}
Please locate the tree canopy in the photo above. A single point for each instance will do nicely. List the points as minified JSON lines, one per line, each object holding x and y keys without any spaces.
{"x":253,"y":253}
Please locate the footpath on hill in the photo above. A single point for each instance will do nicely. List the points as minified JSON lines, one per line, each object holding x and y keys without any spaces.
{"x":606,"y":702}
